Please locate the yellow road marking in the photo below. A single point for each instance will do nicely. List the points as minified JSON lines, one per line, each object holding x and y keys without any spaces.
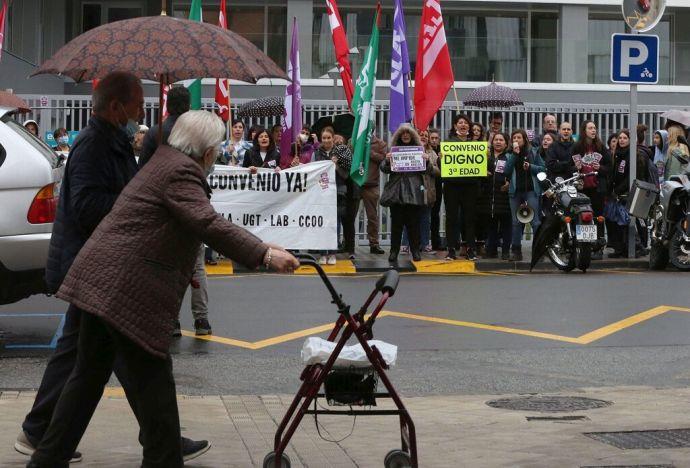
{"x":341,"y":267}
{"x":585,"y":339}
{"x":224,"y":267}
{"x":444,"y":266}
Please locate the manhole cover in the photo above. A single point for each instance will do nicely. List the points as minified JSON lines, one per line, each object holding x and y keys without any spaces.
{"x":548,"y":404}
{"x":663,"y":439}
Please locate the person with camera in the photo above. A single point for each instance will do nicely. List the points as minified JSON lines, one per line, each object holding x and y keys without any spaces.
{"x":522,"y":166}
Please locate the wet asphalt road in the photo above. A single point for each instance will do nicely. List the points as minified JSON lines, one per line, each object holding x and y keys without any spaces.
{"x":460,"y":356}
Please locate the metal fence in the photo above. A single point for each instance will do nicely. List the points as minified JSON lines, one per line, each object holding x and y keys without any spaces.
{"x":72,"y":112}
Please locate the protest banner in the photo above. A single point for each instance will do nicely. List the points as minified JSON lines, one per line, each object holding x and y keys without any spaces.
{"x":464,"y":158}
{"x":407,"y":159}
{"x":295,"y":208}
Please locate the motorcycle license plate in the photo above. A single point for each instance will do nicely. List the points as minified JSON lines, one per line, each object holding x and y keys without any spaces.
{"x":586,"y":232}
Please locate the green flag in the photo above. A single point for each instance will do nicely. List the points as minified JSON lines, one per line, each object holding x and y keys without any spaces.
{"x":363,"y":108}
{"x":195,"y":87}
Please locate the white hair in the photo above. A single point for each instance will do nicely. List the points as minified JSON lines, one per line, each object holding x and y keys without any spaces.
{"x":195,"y":132}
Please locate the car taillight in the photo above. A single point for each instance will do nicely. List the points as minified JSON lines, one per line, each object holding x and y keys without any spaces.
{"x":586,"y":216}
{"x":44,"y":206}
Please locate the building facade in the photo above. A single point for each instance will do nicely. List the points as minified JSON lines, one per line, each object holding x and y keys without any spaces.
{"x":552,"y":51}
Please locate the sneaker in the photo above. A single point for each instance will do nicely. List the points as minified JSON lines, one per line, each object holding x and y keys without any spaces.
{"x":429,"y":249}
{"x":331,"y":260}
{"x":393,"y":256}
{"x":451,"y":255}
{"x":375,"y":249}
{"x":194,"y":448}
{"x":24,"y":446}
{"x":471,"y":254}
{"x":323,"y":259}
{"x":211,"y":262}
{"x":351,"y":256}
{"x":177,"y":330}
{"x":404,"y":249}
{"x":202,"y":327}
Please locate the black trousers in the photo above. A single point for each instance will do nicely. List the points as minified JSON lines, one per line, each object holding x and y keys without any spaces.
{"x":348,"y":221}
{"x":463,"y":197}
{"x":597,"y":200}
{"x":436,"y":216}
{"x":150,"y":382}
{"x":500,"y":228}
{"x":58,"y":370}
{"x":407,"y":216}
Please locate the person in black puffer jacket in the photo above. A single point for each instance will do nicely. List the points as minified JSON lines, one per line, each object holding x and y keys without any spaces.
{"x":500,"y":221}
{"x":559,"y":156}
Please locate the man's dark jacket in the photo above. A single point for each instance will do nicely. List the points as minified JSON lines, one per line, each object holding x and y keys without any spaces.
{"x":99,"y":166}
{"x":559,"y":159}
{"x":150,"y":143}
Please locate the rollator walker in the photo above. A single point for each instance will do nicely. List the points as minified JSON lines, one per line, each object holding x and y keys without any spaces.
{"x":337,"y":381}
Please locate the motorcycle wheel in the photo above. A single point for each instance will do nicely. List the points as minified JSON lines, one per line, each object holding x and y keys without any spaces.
{"x":658,"y":256}
{"x":679,"y":251}
{"x":564,"y":260}
{"x":583,"y":252}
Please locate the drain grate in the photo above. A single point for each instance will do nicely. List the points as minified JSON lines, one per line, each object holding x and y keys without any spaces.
{"x":659,"y":439}
{"x":548,"y":404}
{"x":630,"y":466}
{"x":557,"y":418}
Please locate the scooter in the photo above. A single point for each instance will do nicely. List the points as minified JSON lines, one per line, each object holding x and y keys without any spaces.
{"x":568,"y":234}
{"x":670,"y":223}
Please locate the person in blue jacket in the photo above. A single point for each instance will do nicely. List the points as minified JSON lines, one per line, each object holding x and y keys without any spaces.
{"x":522,"y":166}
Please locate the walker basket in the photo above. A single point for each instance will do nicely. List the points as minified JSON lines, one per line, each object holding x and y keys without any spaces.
{"x":352,"y":386}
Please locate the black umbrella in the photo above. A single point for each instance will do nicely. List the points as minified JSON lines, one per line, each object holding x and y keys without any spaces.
{"x":342,"y":124}
{"x":494,"y":96}
{"x":272,"y":106}
{"x":545,"y":234}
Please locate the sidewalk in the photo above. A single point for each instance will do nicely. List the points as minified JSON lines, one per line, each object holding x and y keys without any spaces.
{"x":452,"y":431}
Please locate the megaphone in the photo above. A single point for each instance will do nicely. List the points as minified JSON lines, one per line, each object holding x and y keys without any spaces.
{"x":525,"y":214}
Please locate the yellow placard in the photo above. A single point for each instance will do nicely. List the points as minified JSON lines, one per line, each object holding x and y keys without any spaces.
{"x":464,"y":158}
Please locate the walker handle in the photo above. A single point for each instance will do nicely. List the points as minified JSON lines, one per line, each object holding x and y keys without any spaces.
{"x":309,"y":260}
{"x":388,"y":283}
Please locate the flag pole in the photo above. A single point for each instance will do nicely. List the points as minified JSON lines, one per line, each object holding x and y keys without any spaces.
{"x":457,"y":101}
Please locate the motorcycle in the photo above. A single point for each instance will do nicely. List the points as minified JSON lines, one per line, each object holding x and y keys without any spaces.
{"x":670,"y":223}
{"x":570,"y":231}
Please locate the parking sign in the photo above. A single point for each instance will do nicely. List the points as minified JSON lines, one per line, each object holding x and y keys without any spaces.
{"x":634,"y":58}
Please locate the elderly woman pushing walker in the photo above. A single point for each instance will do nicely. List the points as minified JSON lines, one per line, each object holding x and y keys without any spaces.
{"x":130,"y":279}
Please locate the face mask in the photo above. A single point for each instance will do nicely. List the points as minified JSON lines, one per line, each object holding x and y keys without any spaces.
{"x":63,"y":140}
{"x":131,"y":127}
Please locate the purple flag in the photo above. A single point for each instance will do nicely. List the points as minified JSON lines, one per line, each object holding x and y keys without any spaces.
{"x":292,"y":117}
{"x":400,"y":73}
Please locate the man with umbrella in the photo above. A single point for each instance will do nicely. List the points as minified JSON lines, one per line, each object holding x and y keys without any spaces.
{"x":100,"y":165}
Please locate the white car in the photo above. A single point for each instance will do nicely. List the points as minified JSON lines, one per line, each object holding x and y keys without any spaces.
{"x":30,"y":175}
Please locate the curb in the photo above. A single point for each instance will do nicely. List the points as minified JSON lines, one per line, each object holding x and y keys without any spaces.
{"x":546,"y":265}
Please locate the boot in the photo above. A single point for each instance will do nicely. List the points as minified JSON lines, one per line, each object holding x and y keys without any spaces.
{"x":393,"y":256}
{"x":516,"y":255}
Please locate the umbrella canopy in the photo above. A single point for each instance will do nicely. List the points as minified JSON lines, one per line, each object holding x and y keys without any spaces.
{"x":13,"y":101}
{"x":679,"y":116}
{"x":493,"y":95}
{"x":272,"y":106}
{"x":341,"y":123}
{"x":161,"y":48}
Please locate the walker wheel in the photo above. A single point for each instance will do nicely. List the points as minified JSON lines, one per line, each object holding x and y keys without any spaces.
{"x":397,"y":459}
{"x":270,"y":461}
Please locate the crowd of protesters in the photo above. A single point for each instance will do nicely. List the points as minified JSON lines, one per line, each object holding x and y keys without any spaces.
{"x":481,"y":212}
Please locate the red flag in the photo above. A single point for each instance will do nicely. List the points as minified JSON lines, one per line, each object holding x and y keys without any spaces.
{"x":223,"y":85}
{"x":166,"y":88}
{"x":94,"y":84}
{"x":3,"y":14}
{"x":433,"y":73}
{"x":342,"y":50}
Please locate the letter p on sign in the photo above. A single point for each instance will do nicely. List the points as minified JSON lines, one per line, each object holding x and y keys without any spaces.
{"x":634,"y":58}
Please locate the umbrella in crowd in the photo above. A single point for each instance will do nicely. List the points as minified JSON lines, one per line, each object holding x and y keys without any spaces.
{"x":272,"y":106}
{"x":341,"y":123}
{"x":161,"y":48}
{"x":494,"y":96}
{"x":678,"y":116}
{"x":15,"y":102}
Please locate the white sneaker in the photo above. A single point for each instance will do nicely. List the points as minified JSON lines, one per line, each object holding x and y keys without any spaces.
{"x":332,"y":260}
{"x":322,"y":260}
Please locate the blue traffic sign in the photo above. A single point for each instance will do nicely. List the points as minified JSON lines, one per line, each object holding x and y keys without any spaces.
{"x":635,"y":58}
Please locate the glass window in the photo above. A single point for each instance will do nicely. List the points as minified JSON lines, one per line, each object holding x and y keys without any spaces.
{"x":601,"y":28}
{"x":91,"y":17}
{"x":544,"y":48}
{"x":96,"y":13}
{"x":481,"y":45}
